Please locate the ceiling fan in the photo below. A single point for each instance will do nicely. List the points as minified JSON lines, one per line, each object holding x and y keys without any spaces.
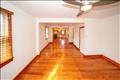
{"x":86,"y":5}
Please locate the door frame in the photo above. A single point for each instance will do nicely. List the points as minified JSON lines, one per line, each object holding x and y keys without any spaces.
{"x":80,"y":34}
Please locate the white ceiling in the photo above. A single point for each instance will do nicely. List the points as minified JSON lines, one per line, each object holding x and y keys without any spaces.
{"x":55,"y":9}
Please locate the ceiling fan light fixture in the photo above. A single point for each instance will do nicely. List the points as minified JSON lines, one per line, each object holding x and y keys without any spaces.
{"x":86,"y":7}
{"x":86,"y":2}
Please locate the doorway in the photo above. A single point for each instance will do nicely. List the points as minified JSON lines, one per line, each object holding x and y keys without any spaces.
{"x":60,"y":34}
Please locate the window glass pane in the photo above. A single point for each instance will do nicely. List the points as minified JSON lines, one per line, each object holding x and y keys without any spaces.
{"x":46,"y":33}
{"x":46,"y":30}
{"x":3,"y":35}
{"x":63,"y":32}
{"x":4,"y":24}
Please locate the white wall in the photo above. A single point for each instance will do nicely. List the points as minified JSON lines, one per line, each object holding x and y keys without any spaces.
{"x":92,"y":37}
{"x":70,"y":34}
{"x":23,"y":35}
{"x":119,"y":32}
{"x":110,"y":37}
{"x":102,"y":37}
{"x":42,"y":41}
{"x":37,"y":37}
{"x":82,"y":39}
{"x":76,"y":36}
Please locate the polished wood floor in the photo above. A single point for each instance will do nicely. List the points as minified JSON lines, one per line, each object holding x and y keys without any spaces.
{"x":62,"y":61}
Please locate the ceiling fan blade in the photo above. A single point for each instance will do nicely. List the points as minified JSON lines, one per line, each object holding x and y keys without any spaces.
{"x":80,"y":13}
{"x":71,"y":6}
{"x":105,"y":2}
{"x":73,"y":2}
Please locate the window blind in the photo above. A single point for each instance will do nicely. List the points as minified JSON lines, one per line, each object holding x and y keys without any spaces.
{"x":5,"y":38}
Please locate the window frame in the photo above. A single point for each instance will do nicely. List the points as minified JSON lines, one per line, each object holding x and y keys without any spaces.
{"x":9,"y":16}
{"x":46,"y":27}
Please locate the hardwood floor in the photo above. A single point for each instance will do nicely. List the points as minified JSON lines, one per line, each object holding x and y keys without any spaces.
{"x":62,"y":61}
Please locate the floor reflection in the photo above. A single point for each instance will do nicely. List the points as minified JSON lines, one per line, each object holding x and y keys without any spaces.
{"x":53,"y":72}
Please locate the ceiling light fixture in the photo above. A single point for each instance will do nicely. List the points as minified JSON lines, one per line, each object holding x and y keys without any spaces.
{"x":86,"y":7}
{"x":87,"y":1}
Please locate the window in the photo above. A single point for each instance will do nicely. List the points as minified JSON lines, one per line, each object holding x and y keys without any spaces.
{"x":63,"y":32}
{"x":46,"y":33}
{"x":5,"y":37}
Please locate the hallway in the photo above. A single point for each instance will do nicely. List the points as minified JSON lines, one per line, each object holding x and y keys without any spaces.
{"x":62,"y":61}
{"x":60,"y":40}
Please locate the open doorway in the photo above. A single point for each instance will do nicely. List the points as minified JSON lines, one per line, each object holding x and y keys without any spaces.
{"x":60,"y":34}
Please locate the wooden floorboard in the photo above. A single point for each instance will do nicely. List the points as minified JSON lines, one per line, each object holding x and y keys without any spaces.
{"x":64,"y":62}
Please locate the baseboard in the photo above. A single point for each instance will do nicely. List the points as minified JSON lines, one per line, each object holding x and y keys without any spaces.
{"x":50,"y":42}
{"x":111,"y":61}
{"x":70,"y":42}
{"x":93,"y":56}
{"x":104,"y":57}
{"x":25,"y":68}
{"x":45,"y":47}
{"x":3,"y":64}
{"x":76,"y":47}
